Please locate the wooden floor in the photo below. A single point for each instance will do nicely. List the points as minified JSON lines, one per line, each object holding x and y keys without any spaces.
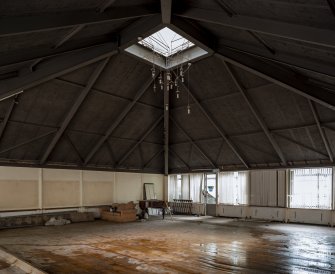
{"x":185,"y":245}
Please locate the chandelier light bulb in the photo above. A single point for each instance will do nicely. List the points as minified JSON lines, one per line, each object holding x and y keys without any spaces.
{"x":155,"y":88}
{"x":166,"y":107}
{"x":177,"y":94}
{"x":188,"y":109}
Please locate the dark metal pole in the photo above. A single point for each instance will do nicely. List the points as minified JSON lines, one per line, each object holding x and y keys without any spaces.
{"x":166,"y":125}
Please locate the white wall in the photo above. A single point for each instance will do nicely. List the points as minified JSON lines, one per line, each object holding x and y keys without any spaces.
{"x":19,"y":188}
{"x":34,"y":188}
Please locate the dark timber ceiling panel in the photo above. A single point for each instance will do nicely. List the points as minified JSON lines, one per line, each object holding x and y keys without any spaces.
{"x":264,"y":97}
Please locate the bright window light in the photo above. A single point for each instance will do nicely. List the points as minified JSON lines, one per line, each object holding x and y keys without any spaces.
{"x":311,"y":188}
{"x":166,"y":42}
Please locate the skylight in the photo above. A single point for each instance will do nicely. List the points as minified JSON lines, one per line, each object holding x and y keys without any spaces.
{"x":167,"y":49}
{"x":166,"y":42}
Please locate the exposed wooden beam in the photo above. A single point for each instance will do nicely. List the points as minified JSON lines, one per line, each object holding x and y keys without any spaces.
{"x":56,"y":67}
{"x":74,"y":148}
{"x":282,"y":77}
{"x":121,"y":98}
{"x":204,"y":155}
{"x":256,"y":113}
{"x":7,"y":115}
{"x":217,"y":127}
{"x":179,"y":158}
{"x":69,"y":35}
{"x":166,"y":7}
{"x":145,"y":135}
{"x":51,"y":21}
{"x":118,"y":121}
{"x":76,"y":105}
{"x":321,"y":131}
{"x":300,"y":144}
{"x":302,"y":33}
{"x":28,"y":141}
{"x":152,"y":158}
{"x":305,"y":63}
{"x":226,"y":8}
{"x":105,"y":5}
{"x":37,"y":53}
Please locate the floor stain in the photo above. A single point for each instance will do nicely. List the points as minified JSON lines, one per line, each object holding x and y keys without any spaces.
{"x":217,"y":245}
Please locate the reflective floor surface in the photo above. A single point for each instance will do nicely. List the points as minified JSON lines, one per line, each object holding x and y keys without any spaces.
{"x":184,"y":245}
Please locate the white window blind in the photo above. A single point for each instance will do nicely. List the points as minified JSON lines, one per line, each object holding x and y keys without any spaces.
{"x":233,"y":188}
{"x":196,"y":187}
{"x":311,"y":188}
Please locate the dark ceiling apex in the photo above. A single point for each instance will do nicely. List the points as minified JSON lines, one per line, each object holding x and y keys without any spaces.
{"x":71,"y":97}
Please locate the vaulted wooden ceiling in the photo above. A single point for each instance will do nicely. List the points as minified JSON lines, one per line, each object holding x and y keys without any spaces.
{"x":72,"y":97}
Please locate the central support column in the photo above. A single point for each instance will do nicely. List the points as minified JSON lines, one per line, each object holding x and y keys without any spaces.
{"x":166,"y":124}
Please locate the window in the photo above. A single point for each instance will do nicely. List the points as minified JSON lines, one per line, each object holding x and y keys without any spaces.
{"x":179,"y":187}
{"x":211,"y":188}
{"x":166,"y":48}
{"x":166,"y":42}
{"x":311,"y":188}
{"x":234,"y":188}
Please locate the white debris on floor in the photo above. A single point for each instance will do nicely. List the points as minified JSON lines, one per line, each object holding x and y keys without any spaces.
{"x":57,"y":221}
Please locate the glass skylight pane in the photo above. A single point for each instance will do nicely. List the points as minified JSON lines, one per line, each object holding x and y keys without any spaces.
{"x":166,"y":42}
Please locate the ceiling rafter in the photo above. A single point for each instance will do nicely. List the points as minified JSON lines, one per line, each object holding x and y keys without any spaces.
{"x":280,"y":57}
{"x":28,"y":141}
{"x":226,"y":8}
{"x":152,"y":158}
{"x":179,"y":158}
{"x":76,"y":105}
{"x":56,"y":67}
{"x":8,"y":115}
{"x":118,"y":120}
{"x":225,"y":96}
{"x":60,"y":20}
{"x":259,"y":39}
{"x":204,"y":155}
{"x":303,"y":33}
{"x":321,"y":131}
{"x":74,"y":149}
{"x":105,"y":5}
{"x":256,"y":113}
{"x":82,"y":132}
{"x":145,"y":135}
{"x":281,"y":77}
{"x":107,"y":93}
{"x":300,"y":144}
{"x":110,"y":152}
{"x":217,"y":127}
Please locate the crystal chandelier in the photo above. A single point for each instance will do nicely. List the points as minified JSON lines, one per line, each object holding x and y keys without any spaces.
{"x":173,"y":80}
{"x":168,"y":48}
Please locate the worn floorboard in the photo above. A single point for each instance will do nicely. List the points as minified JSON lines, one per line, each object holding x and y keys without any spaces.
{"x":185,"y":245}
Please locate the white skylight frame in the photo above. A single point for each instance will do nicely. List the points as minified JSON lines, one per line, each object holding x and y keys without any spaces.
{"x":180,"y":51}
{"x":166,"y":42}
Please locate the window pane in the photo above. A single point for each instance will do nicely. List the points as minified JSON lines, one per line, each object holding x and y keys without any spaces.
{"x":233,"y":188}
{"x":311,"y":188}
{"x":211,"y":188}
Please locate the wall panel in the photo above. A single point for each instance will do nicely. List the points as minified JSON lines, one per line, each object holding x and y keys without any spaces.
{"x":61,"y":188}
{"x":18,"y":188}
{"x":97,"y":188}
